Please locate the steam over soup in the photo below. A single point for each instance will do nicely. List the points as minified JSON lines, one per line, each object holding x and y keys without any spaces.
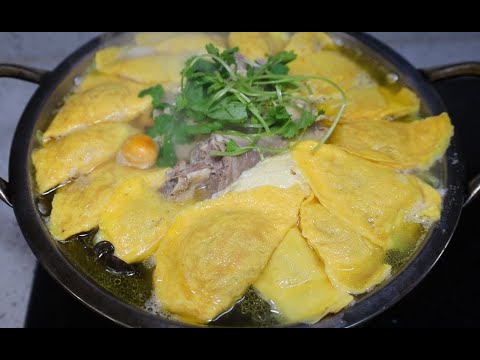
{"x":239,"y":179}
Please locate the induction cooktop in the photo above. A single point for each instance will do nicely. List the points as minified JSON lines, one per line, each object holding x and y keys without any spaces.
{"x":447,"y":297}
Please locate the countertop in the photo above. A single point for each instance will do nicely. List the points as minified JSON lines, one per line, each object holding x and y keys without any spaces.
{"x":47,"y":49}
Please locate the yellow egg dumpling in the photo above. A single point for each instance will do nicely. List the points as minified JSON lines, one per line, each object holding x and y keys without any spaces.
{"x":158,"y":58}
{"x":144,"y":39}
{"x":136,"y":219}
{"x":375,"y":199}
{"x":78,"y":207}
{"x":148,"y":69}
{"x":95,"y":79}
{"x":179,"y":44}
{"x":367,"y":100}
{"x":352,"y":262}
{"x":99,"y":99}
{"x":308,"y":43}
{"x":60,"y":161}
{"x":402,"y":145}
{"x":374,"y":103}
{"x":296,"y":284}
{"x":258,"y":45}
{"x":216,"y":249}
{"x":333,"y":65}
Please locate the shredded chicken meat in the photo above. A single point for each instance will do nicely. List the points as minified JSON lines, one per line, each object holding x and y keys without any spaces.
{"x":206,"y":175}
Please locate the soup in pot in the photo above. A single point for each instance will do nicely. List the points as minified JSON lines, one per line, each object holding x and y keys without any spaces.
{"x":239,"y":179}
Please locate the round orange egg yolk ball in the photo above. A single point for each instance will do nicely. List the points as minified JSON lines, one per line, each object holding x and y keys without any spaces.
{"x":138,"y":151}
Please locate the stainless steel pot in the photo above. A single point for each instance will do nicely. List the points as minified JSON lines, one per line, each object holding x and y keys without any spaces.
{"x":19,"y":194}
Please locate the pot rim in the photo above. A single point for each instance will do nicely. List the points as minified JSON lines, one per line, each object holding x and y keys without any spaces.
{"x":108,"y":305}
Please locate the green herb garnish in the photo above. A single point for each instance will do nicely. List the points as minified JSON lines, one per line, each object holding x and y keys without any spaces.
{"x":226,"y":94}
{"x":157,"y":93}
{"x":39,"y":136}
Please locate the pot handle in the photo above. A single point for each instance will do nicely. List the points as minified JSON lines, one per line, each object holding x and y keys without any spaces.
{"x":449,"y":72}
{"x":22,"y":73}
{"x":446,"y":72}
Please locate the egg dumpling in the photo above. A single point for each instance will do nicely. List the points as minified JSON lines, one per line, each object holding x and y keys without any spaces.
{"x":99,"y":99}
{"x":296,"y":285}
{"x":374,"y":199}
{"x":60,"y":161}
{"x":216,"y":249}
{"x":79,"y":206}
{"x":353,"y":263}
{"x":402,"y":145}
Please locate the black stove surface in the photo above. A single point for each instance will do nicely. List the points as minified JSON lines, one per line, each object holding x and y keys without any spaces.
{"x":447,"y":297}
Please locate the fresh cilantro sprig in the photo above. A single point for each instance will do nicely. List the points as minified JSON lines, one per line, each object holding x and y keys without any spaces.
{"x":221,"y":92}
{"x":157,"y":93}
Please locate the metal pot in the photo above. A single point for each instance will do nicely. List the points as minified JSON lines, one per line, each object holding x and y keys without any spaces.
{"x":19,"y":194}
